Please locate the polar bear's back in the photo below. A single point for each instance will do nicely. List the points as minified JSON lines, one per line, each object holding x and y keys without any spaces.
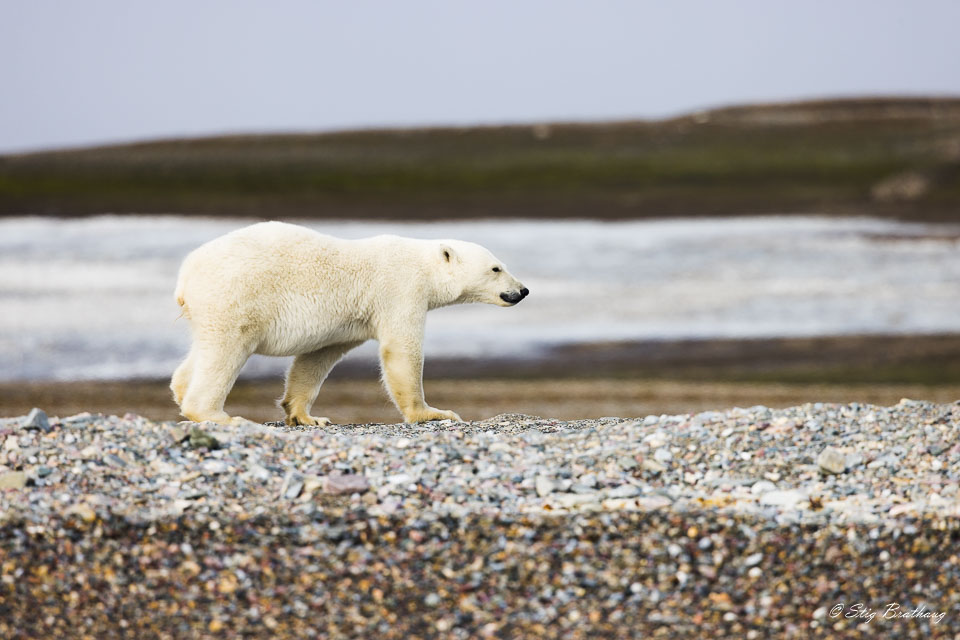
{"x":264,"y":238}
{"x":253,"y":255}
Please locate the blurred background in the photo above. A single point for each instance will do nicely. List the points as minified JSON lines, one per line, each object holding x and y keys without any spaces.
{"x":713,"y":204}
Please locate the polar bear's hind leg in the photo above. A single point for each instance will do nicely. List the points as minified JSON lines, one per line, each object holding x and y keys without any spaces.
{"x":181,"y":378}
{"x":215,"y":369}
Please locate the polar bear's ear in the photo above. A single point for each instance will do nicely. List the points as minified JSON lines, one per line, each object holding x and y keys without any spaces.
{"x":448,"y":254}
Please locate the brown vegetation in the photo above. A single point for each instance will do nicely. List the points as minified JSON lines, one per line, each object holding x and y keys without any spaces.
{"x":886,"y":157}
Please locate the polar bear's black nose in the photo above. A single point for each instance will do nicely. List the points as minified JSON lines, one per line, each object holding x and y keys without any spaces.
{"x":524,"y":293}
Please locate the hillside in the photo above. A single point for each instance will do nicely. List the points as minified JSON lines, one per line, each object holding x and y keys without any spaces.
{"x":885,"y":157}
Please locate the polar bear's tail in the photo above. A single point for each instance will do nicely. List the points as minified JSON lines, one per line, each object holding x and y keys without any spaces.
{"x":181,"y":301}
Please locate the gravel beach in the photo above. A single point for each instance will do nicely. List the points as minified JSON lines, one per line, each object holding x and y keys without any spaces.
{"x":821,"y":520}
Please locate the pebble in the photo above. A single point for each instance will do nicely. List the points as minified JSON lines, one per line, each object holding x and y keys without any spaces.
{"x":588,"y":480}
{"x":761,"y":487}
{"x":114,"y":460}
{"x":544,"y":486}
{"x":201,"y":439}
{"x":292,"y":485}
{"x":13,"y":480}
{"x":624,"y":491}
{"x":662,"y":455}
{"x":348,"y":483}
{"x":788,"y":499}
{"x":82,"y":511}
{"x":653,"y":466}
{"x":36,"y":420}
{"x":753,"y":559}
{"x":214,"y":466}
{"x":399,"y":478}
{"x":651,"y":503}
{"x":938,"y":447}
{"x":311,"y":484}
{"x":571,"y":500}
{"x":854,"y":459}
{"x":832,"y":460}
{"x":890,"y":461}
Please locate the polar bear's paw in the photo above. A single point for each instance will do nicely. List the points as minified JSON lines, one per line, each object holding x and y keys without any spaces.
{"x":218,"y":417}
{"x":306,"y":420}
{"x":428,"y":414}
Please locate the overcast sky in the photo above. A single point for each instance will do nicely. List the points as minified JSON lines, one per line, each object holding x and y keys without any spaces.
{"x":75,"y":73}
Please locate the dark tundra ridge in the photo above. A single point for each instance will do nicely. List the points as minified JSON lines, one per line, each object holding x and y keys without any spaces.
{"x":890,"y":157}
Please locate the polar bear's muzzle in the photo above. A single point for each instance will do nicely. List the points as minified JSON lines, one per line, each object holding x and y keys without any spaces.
{"x":513,"y":297}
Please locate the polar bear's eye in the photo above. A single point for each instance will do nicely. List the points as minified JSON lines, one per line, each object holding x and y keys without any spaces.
{"x":496,"y":269}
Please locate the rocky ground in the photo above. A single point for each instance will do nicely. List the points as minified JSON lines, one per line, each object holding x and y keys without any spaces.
{"x":820,"y":520}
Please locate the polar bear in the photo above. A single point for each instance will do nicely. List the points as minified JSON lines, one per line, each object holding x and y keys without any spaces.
{"x":281,"y":289}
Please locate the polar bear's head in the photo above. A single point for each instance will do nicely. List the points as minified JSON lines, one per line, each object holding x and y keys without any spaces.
{"x":475,"y":275}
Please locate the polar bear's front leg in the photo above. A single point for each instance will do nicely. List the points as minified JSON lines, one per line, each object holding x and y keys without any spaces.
{"x":402,"y":363}
{"x":306,"y":374}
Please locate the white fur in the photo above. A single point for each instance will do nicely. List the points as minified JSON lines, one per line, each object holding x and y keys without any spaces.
{"x":284,"y":290}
